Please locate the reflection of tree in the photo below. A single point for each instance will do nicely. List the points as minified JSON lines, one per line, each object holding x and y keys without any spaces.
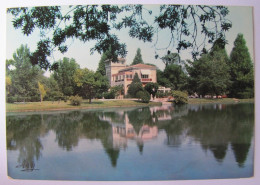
{"x":67,"y":128}
{"x":174,"y":130}
{"x":211,"y":127}
{"x":94,"y":128}
{"x":216,"y":126}
{"x":242,"y":131}
{"x":139,"y":117}
{"x":23,"y":134}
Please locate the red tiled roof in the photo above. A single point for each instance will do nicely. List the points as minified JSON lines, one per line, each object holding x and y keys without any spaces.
{"x":139,"y":66}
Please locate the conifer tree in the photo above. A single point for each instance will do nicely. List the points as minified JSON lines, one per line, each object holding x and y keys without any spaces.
{"x":241,"y":70}
{"x":138,"y":57}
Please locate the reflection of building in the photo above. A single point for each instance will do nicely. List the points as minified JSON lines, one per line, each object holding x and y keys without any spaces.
{"x":123,"y":131}
{"x":119,"y":73}
{"x":162,"y":113}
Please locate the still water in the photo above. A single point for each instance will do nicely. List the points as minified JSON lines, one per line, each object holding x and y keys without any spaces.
{"x":148,"y":143}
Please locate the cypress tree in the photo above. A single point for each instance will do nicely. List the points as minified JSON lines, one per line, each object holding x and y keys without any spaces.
{"x":138,"y":57}
{"x":241,"y":70}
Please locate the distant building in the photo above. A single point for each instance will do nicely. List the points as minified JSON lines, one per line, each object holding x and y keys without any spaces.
{"x":119,"y":73}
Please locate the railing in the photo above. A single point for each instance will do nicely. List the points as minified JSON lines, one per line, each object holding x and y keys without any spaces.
{"x":146,"y":79}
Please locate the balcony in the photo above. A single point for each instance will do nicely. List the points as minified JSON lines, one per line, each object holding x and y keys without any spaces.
{"x":146,"y":79}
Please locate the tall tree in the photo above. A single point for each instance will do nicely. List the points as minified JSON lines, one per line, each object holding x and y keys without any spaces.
{"x":210,"y":74}
{"x":100,"y":23}
{"x":138,"y":57}
{"x":241,"y":70}
{"x":101,"y":65}
{"x":64,"y":75}
{"x":24,"y":76}
{"x":176,"y":76}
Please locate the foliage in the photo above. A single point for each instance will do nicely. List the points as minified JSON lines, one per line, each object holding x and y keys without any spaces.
{"x":24,"y":76}
{"x":161,"y":79}
{"x":90,"y":83}
{"x":75,"y":100}
{"x":135,"y":86}
{"x":8,"y":83}
{"x":171,"y":58}
{"x":144,"y":96}
{"x":100,"y":22}
{"x":151,"y":88}
{"x":101,"y":65}
{"x":41,"y":90}
{"x":138,"y":57}
{"x":241,"y":70}
{"x":210,"y":74}
{"x":64,"y":76}
{"x":180,"y":97}
{"x":109,"y":95}
{"x":53,"y":90}
{"x":176,"y":77}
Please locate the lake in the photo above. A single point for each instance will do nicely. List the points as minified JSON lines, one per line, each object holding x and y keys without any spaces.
{"x":148,"y":143}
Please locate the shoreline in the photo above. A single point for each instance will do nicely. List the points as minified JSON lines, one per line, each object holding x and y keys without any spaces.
{"x":99,"y":104}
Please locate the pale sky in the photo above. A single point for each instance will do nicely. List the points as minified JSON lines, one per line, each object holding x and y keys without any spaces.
{"x":241,"y":18}
{"x":240,"y":25}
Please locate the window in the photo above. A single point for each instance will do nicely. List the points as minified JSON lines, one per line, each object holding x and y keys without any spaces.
{"x":145,"y":76}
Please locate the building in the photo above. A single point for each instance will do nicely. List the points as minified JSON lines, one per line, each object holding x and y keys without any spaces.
{"x":119,"y":73}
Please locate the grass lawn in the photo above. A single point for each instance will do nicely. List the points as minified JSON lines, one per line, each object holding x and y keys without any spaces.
{"x":224,"y":100}
{"x":49,"y":105}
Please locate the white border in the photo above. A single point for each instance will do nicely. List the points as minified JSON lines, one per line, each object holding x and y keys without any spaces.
{"x":16,"y":3}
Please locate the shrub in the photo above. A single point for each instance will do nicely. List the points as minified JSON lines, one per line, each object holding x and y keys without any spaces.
{"x":76,"y":100}
{"x":109,"y":95}
{"x":180,"y":97}
{"x":144,"y":96}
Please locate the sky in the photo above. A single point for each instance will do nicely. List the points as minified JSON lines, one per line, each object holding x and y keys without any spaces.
{"x":242,"y":24}
{"x":241,"y":18}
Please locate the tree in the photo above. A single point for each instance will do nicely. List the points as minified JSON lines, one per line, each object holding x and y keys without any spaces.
{"x":89,"y":82}
{"x":241,"y":70}
{"x":101,"y":65}
{"x":42,"y":91}
{"x":138,"y":57}
{"x":171,"y":58}
{"x":151,"y":88}
{"x":176,"y":76}
{"x":210,"y":74}
{"x":100,"y":22}
{"x":161,"y":79}
{"x":135,"y":86}
{"x":64,"y":75}
{"x":24,"y":76}
{"x":8,"y":83}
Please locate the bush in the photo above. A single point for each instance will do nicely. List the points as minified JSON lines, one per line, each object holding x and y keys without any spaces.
{"x":144,"y":96}
{"x":75,"y":100}
{"x":180,"y":97}
{"x":109,"y":95}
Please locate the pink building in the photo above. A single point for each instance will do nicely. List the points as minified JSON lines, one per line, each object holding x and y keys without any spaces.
{"x":119,"y":73}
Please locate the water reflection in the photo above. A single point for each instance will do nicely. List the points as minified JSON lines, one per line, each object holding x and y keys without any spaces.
{"x":216,"y":128}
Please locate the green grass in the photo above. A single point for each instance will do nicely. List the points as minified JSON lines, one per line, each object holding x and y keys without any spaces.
{"x":49,"y":105}
{"x":224,"y":100}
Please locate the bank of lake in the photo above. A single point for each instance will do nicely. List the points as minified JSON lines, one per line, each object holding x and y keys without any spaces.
{"x":61,"y":105}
